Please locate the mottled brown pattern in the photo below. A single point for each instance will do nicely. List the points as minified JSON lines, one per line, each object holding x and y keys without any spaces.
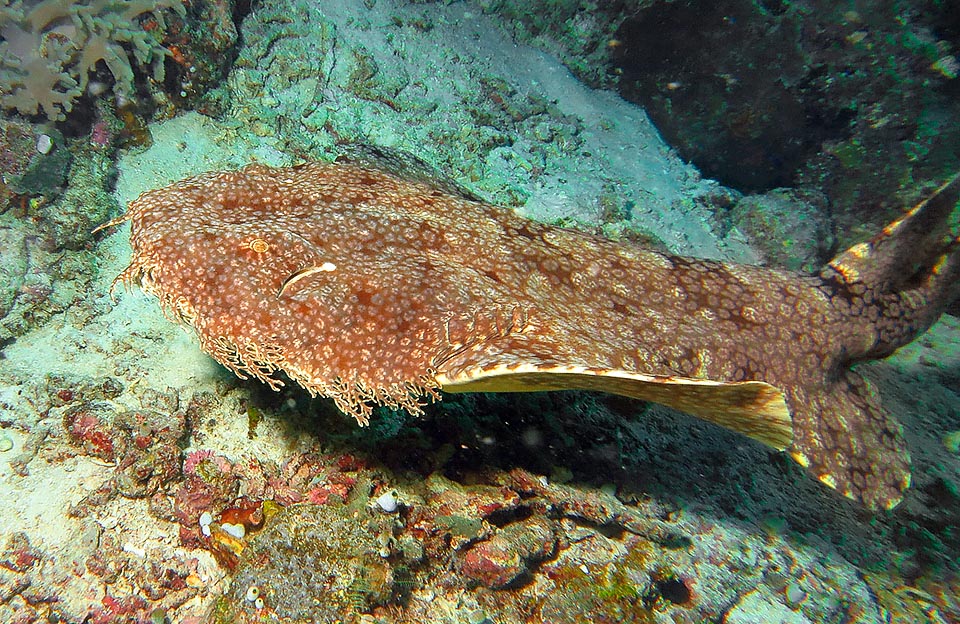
{"x":371,"y":288}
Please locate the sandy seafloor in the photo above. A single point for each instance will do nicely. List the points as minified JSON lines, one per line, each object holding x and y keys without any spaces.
{"x":762,"y":542}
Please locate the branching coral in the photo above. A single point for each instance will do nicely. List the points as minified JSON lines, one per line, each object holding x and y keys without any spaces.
{"x":49,"y":48}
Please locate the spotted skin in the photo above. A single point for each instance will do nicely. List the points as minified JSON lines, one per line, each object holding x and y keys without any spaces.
{"x":372,"y":288}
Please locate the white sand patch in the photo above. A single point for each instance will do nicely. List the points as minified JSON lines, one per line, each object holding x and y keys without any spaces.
{"x":187,"y":145}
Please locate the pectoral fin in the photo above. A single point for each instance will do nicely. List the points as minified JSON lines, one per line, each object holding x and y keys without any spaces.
{"x":752,"y":408}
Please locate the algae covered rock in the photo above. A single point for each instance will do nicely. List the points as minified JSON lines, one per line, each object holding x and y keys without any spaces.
{"x":68,"y":222}
{"x":13,"y":269}
{"x":312,"y":563}
{"x":789,"y":228}
{"x":509,"y":556}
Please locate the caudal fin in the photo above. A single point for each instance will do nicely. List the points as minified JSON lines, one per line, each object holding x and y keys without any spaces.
{"x":884,"y":293}
{"x":906,"y":248}
{"x":844,"y":438}
{"x":899,"y":283}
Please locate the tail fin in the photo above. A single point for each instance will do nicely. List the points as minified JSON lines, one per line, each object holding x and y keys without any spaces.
{"x":844,"y":438}
{"x":907,"y":275}
{"x":905,"y":247}
{"x":886,"y":293}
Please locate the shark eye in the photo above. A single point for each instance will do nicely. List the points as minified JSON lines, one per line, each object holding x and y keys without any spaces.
{"x":259,"y":245}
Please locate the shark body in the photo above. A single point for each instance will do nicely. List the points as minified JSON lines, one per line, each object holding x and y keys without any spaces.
{"x":372,"y":287}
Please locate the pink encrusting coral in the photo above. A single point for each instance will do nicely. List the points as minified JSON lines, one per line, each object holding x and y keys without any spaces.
{"x":202,"y":461}
{"x":49,"y":49}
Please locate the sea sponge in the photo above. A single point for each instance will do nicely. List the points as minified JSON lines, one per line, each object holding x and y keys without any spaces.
{"x":48,"y":49}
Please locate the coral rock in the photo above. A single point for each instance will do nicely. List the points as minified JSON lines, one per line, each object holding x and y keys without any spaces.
{"x":509,"y":554}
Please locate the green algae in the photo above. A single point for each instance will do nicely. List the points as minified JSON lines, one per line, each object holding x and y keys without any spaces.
{"x":254,"y":418}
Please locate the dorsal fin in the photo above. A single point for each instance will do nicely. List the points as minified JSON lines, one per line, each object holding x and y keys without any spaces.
{"x":908,"y":247}
{"x":403,"y":165}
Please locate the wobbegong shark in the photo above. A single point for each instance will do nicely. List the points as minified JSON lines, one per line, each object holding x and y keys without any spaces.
{"x":371,"y":281}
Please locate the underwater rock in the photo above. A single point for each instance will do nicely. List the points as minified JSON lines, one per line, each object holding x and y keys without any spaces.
{"x":142,"y":445}
{"x":45,"y":173}
{"x":509,"y":554}
{"x":151,"y":451}
{"x":755,"y":606}
{"x":87,"y":201}
{"x":18,"y":154}
{"x":19,"y":555}
{"x":63,"y":389}
{"x":580,"y":34}
{"x":209,"y":486}
{"x":13,"y":268}
{"x":202,"y":49}
{"x":91,"y":425}
{"x":17,"y":139}
{"x":703,"y":75}
{"x":312,"y":563}
{"x":790,"y":229}
{"x":761,"y":95}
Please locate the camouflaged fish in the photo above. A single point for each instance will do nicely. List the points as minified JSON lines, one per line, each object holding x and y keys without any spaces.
{"x":376,"y":288}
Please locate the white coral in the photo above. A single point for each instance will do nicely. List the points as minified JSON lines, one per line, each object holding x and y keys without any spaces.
{"x":48,"y":49}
